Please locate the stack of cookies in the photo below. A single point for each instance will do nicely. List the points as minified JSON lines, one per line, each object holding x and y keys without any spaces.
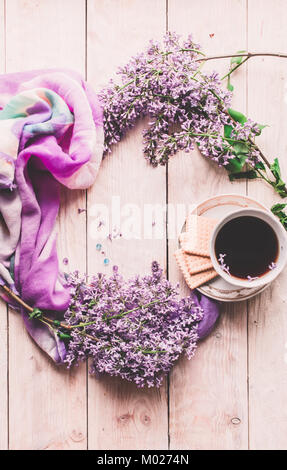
{"x":193,"y":257}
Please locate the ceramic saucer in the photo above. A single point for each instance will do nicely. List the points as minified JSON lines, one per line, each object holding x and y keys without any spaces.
{"x":217,"y":207}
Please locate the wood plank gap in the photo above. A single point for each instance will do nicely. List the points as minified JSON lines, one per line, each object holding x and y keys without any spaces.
{"x":86,"y":234}
{"x":247,"y":302}
{"x":247,"y":366}
{"x":5,"y":30}
{"x":7,"y":384}
{"x":7,"y":309}
{"x":166,"y":14}
{"x":86,"y":41}
{"x":246,"y":74}
{"x":167,"y":263}
{"x":167,"y":275}
{"x":87,"y":363}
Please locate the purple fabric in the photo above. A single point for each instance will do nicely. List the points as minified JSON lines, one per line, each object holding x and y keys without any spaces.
{"x":60,"y":141}
{"x":211,"y":314}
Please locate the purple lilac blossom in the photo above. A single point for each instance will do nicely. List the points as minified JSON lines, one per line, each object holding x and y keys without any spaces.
{"x":184,"y":105}
{"x":135,"y":329}
{"x":250,"y":278}
{"x":272,"y":266}
{"x":222,"y":264}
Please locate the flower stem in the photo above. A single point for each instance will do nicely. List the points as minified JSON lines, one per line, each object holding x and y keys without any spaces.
{"x":31,"y":309}
{"x":194,"y":50}
{"x":234,"y":68}
{"x":263,"y":177}
{"x":18,"y":299}
{"x":243,"y":54}
{"x":46,"y":320}
{"x":120,"y":315}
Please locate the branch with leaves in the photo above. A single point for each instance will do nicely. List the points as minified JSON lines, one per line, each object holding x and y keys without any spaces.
{"x":186,"y":107}
{"x":259,"y":170}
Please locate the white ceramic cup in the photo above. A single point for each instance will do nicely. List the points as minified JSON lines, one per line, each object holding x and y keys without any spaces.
{"x":280,"y":262}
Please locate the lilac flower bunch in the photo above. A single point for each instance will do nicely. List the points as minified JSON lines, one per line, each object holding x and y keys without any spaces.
{"x":184,"y":105}
{"x":133,"y":329}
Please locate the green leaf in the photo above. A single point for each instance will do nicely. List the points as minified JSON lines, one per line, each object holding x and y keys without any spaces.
{"x":280,"y":189}
{"x":227,"y":130}
{"x":278,"y":184}
{"x":237,"y":116}
{"x":35,"y":314}
{"x":251,"y":174}
{"x":278,"y":211}
{"x":239,"y":59}
{"x":260,"y":166}
{"x":63,"y":335}
{"x":229,"y":86}
{"x":240,"y":148}
{"x":261,"y":127}
{"x":277,"y":208}
{"x":236,"y":164}
{"x":275,"y":168}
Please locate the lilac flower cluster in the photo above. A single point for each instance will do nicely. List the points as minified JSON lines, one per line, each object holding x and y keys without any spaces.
{"x":184,"y":106}
{"x":133,"y":329}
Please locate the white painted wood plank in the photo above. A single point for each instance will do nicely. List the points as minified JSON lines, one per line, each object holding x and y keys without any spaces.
{"x":207,"y":393}
{"x":48,"y":404}
{"x":45,"y":34}
{"x":3,"y":307}
{"x":120,"y":416}
{"x":267,"y":85}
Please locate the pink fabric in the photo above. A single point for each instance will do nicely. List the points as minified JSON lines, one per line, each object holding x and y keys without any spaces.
{"x":56,"y":119}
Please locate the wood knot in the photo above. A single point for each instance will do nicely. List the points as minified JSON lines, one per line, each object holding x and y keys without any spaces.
{"x":235,"y":421}
{"x":145,"y":419}
{"x":77,"y":436}
{"x":124,"y":418}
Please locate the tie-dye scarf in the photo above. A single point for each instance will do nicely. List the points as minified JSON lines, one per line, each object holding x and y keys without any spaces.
{"x":51,"y":132}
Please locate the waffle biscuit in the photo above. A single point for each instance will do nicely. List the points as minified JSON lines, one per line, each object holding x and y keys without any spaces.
{"x":196,"y":264}
{"x":196,"y":239}
{"x":195,"y":280}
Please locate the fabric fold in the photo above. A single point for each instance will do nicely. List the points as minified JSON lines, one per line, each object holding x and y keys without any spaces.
{"x":51,"y":133}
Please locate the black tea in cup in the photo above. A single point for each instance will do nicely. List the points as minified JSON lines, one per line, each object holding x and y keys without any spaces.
{"x":247,"y":247}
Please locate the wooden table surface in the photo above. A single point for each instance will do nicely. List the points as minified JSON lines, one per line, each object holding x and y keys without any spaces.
{"x":232,"y":394}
